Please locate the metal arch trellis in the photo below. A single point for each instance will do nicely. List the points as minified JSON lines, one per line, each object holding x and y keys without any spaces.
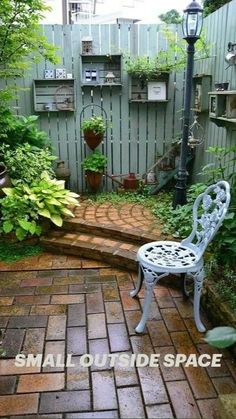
{"x":104,"y":142}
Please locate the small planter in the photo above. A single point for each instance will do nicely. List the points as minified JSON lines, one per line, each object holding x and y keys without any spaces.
{"x":94,"y":179}
{"x":92,"y":139}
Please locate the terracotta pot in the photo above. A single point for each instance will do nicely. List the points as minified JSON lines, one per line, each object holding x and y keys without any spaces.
{"x":94,"y":179}
{"x":92,"y":139}
{"x":5,"y":181}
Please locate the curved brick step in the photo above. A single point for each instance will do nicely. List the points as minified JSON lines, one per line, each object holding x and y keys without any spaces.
{"x":136,"y":236}
{"x":113,"y":252}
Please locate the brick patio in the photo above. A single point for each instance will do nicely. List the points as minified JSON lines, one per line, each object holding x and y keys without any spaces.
{"x":87,"y":308}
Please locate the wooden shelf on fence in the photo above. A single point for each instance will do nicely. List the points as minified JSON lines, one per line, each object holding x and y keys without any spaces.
{"x":54,"y":95}
{"x":95,"y":68}
{"x":147,"y":101}
{"x":222,"y":107}
{"x":101,"y":85}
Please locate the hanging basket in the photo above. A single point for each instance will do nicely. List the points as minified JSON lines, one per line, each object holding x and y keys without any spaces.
{"x":92,"y":139}
{"x":94,"y":179}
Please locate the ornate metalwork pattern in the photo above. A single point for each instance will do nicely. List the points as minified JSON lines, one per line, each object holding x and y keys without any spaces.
{"x":167,"y":254}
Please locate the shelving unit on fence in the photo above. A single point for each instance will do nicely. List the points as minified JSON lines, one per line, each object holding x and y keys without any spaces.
{"x":201,"y":88}
{"x":142,"y":91}
{"x":96,"y":69}
{"x":54,"y":95}
{"x":222,"y":108}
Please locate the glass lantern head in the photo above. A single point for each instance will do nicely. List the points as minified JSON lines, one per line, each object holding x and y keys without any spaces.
{"x":192,"y":21}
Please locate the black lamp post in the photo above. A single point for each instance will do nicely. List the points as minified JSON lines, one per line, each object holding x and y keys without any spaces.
{"x":192,"y":26}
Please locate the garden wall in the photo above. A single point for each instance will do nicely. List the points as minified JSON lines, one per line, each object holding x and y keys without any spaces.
{"x":140,"y":131}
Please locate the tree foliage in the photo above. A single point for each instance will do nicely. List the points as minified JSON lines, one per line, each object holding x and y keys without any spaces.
{"x":21,"y":39}
{"x":210,"y":6}
{"x":172,"y":16}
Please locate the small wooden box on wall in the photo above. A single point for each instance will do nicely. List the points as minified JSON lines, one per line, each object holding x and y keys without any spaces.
{"x":222,"y":107}
{"x":142,"y":90}
{"x":201,"y":88}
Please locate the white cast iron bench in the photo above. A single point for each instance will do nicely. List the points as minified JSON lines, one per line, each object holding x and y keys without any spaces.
{"x":161,"y":258}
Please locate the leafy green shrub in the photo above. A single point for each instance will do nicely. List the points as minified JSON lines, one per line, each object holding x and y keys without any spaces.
{"x":178,"y":222}
{"x":96,"y":162}
{"x":24,"y":206}
{"x":16,"y":130}
{"x":25,"y":164}
{"x":95,"y":124}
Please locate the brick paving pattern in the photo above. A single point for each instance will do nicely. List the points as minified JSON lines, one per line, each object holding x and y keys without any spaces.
{"x":75,"y":306}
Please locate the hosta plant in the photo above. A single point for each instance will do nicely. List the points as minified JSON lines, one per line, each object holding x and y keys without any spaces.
{"x":25,"y":206}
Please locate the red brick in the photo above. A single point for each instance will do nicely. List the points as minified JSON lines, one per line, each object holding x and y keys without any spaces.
{"x":118,"y":337}
{"x":76,"y":315}
{"x":94,"y":303}
{"x":6,"y":301}
{"x":224,"y":385}
{"x":110,"y":292}
{"x":65,"y":401}
{"x":77,"y":376}
{"x":209,"y":408}
{"x":182,"y":400}
{"x":141,"y":345}
{"x":169,"y":373}
{"x":34,"y":341}
{"x":55,"y":348}
{"x":35,"y":282}
{"x":214,"y":371}
{"x":18,"y":404}
{"x":7,"y":367}
{"x":96,"y":326}
{"x":153,"y":388}
{"x":17,"y":291}
{"x":130,"y":403}
{"x":69,"y":280}
{"x":158,"y":333}
{"x":56,"y":328}
{"x":84,"y":288}
{"x":197,"y":376}
{"x":3,"y":322}
{"x":76,"y":340}
{"x":102,"y":414}
{"x":125,"y":376}
{"x":67,"y":299}
{"x":184,"y":307}
{"x":48,"y":309}
{"x":32,"y":299}
{"x":40,"y":382}
{"x":194,"y":333}
{"x":128,"y":302}
{"x":7,"y":385}
{"x":104,"y":394}
{"x":114,"y":312}
{"x":52,"y":289}
{"x":12,"y":342}
{"x":125,"y":282}
{"x":172,"y":319}
{"x":100,"y":347}
{"x":132,"y":319}
{"x":14,"y":310}
{"x":159,"y":411}
{"x":27,"y":321}
{"x":160,"y":291}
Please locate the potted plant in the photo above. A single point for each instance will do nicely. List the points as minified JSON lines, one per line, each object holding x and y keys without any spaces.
{"x":93,"y":129}
{"x":94,"y":166}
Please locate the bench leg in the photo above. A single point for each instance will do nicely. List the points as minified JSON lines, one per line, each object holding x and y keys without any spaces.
{"x":198,"y":281}
{"x":139,"y":283}
{"x":146,"y":307}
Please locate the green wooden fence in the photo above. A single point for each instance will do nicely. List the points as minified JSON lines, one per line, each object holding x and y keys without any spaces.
{"x":140,"y":131}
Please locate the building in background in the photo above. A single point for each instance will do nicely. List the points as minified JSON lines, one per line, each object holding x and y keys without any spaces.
{"x":94,"y":11}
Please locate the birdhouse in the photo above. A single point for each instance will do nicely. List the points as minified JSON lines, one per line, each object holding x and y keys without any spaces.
{"x":87,"y":45}
{"x":110,"y":77}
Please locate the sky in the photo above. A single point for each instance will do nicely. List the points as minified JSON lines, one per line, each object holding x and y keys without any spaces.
{"x":148,"y":10}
